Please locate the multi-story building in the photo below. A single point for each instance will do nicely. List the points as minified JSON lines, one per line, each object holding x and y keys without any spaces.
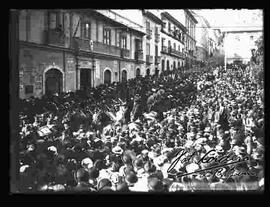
{"x":152,"y":42}
{"x":172,"y":42}
{"x":190,"y":41}
{"x":238,"y":45}
{"x":202,"y":38}
{"x":63,"y":50}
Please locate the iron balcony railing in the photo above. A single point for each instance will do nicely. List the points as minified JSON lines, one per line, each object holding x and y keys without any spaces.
{"x":138,"y":55}
{"x":83,"y":44}
{"x":106,"y":49}
{"x":157,"y":60}
{"x":124,"y":53}
{"x":55,"y":37}
{"x":164,"y":49}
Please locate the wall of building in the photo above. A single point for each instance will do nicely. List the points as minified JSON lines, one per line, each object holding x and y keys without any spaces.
{"x":33,"y":63}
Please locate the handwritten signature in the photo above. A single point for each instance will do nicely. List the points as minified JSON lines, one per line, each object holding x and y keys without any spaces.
{"x":230,"y":159}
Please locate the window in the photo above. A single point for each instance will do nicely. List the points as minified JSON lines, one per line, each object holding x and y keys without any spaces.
{"x":169,"y":43}
{"x":169,"y":27}
{"x":56,"y":20}
{"x":163,"y":24}
{"x":174,"y":46}
{"x":52,"y":20}
{"x":162,"y":41}
{"x":179,"y":48}
{"x":86,"y":30}
{"x":147,"y":27}
{"x":147,"y":49}
{"x":156,"y":30}
{"x":138,"y":43}
{"x":124,"y":42}
{"x":107,"y":36}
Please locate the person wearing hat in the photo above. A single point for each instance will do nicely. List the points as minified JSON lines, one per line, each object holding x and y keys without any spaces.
{"x":104,"y":185}
{"x":155,"y":185}
{"x":122,"y":187}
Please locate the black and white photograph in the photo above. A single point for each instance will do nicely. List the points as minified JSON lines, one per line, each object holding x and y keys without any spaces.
{"x":136,"y":101}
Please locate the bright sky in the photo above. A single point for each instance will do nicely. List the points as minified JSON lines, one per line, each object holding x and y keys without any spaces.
{"x":233,"y":19}
{"x":224,"y":19}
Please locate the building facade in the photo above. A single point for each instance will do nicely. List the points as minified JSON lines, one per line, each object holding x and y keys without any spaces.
{"x":190,"y":40}
{"x":68,"y":50}
{"x":238,"y":45}
{"x":172,"y":43}
{"x":152,"y":43}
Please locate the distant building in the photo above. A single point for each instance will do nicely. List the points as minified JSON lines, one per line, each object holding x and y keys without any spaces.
{"x":190,"y":40}
{"x":152,"y":42}
{"x":172,"y":43}
{"x":239,"y":44}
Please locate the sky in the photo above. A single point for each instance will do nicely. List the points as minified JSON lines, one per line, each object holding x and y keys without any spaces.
{"x":229,"y":19}
{"x":224,"y":19}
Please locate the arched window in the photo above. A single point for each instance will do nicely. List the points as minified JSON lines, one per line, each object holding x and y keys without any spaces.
{"x":174,"y":65}
{"x":148,"y":72}
{"x":138,"y":72}
{"x":107,"y":76}
{"x":53,"y":81}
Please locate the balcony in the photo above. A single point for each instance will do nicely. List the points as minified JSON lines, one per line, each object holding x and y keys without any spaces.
{"x":148,"y":33}
{"x":164,"y":49}
{"x":55,"y":37}
{"x":149,"y":59}
{"x":82,"y":44}
{"x":157,"y":60}
{"x":157,"y":37}
{"x":139,"y":55}
{"x":106,"y":49}
{"x":124,"y":53}
{"x":177,"y":53}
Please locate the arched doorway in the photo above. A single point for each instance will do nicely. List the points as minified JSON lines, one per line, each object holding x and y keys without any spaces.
{"x":148,"y":72}
{"x":53,"y":81}
{"x":168,"y":65}
{"x":124,"y":75}
{"x":174,"y":65}
{"x":163,"y":65}
{"x":138,"y":72}
{"x":107,"y":77}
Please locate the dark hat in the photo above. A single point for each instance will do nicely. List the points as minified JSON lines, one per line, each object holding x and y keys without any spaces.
{"x":104,"y":183}
{"x":155,"y":184}
{"x":131,"y":177}
{"x":122,"y":187}
{"x":93,"y":173}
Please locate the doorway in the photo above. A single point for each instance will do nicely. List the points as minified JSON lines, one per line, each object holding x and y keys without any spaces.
{"x":124,"y":75}
{"x":138,"y":72}
{"x":53,"y":81}
{"x":107,"y":77}
{"x":85,"y":79}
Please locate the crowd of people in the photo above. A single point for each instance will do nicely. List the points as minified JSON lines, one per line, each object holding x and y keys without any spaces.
{"x":123,"y":137}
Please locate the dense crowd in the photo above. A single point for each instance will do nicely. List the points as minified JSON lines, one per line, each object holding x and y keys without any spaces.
{"x":123,"y":137}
